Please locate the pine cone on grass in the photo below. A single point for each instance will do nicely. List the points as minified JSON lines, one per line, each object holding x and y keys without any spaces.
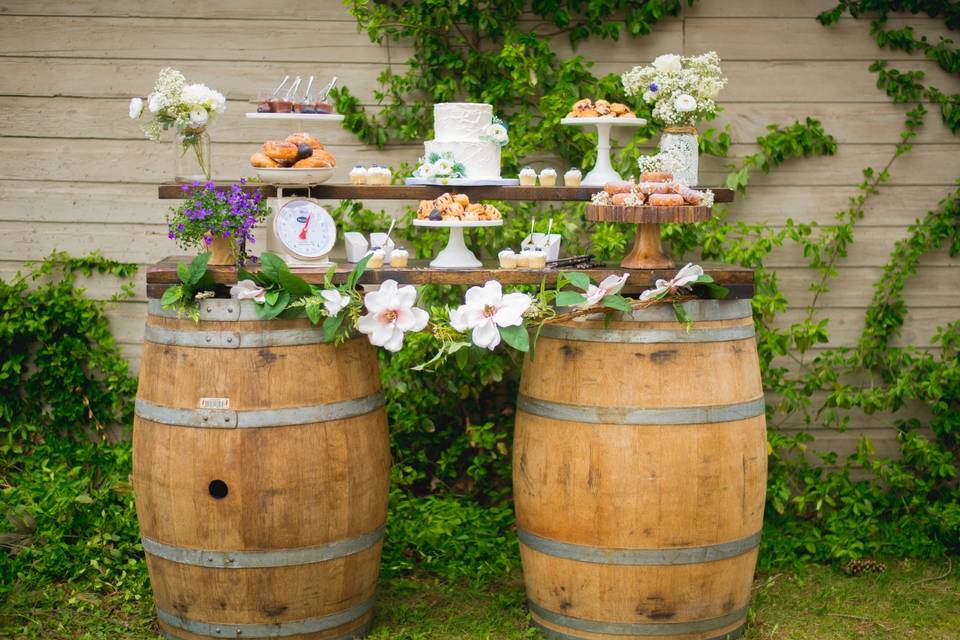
{"x":861,"y":566}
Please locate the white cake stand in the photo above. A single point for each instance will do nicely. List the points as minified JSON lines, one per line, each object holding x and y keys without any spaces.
{"x":456,"y":255}
{"x":603,"y":172}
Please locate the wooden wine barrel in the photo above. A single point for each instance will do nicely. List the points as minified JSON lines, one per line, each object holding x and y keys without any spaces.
{"x":639,"y":474}
{"x":261,"y":470}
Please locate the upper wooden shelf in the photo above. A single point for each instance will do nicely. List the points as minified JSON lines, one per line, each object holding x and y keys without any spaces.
{"x":173,"y":191}
{"x":738,"y":279}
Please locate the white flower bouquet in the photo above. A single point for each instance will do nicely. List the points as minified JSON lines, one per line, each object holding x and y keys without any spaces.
{"x":682,"y":89}
{"x":187,"y":108}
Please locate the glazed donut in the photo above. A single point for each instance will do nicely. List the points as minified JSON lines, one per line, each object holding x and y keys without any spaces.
{"x":325,"y":156}
{"x":691,"y":196}
{"x":262,"y":160}
{"x":618,"y":187}
{"x":629,"y":199}
{"x":304,"y":138}
{"x":313,"y":162}
{"x":647,"y":188}
{"x":656,"y":176}
{"x":665,"y":200}
{"x":280,"y":149}
{"x":620,"y":199}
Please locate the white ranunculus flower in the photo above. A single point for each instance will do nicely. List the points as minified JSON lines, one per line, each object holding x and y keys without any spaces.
{"x":427,"y":170}
{"x":156,"y":102}
{"x":390,"y":314}
{"x":196,"y":95}
{"x":667,"y":62}
{"x":442,"y":167}
{"x":136,"y":108}
{"x":498,"y":133}
{"x":685,"y":103}
{"x":685,"y":277}
{"x":610,"y":285}
{"x":247,"y":290}
{"x":198,"y":116}
{"x":486,"y":308}
{"x":334,"y":301}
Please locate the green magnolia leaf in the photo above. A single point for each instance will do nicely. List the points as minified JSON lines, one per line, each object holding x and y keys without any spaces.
{"x":577,"y":279}
{"x":271,"y":310}
{"x":314,"y":312}
{"x":296,"y":286}
{"x":183,"y":272}
{"x":331,"y":325}
{"x":516,"y":337}
{"x":617,"y":302}
{"x":357,"y":272}
{"x":271,"y":265}
{"x":198,"y":267}
{"x":171,"y":296}
{"x":272,"y":296}
{"x":570,"y":298}
{"x":682,"y":316}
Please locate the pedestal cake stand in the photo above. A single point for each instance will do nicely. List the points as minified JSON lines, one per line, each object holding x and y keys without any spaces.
{"x":456,"y":255}
{"x":603,"y":172}
{"x":647,"y":251}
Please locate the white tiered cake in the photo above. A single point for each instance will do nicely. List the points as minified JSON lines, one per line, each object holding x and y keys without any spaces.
{"x":458,"y":129}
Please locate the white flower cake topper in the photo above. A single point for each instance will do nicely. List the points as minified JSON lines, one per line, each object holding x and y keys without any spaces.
{"x":496,"y":131}
{"x":390,"y":315}
{"x":486,"y":309}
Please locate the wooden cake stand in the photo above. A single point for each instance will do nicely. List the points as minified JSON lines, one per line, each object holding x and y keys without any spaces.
{"x":647,"y":251}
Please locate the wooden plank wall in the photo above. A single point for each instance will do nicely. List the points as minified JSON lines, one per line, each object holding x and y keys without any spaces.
{"x":76,"y":173}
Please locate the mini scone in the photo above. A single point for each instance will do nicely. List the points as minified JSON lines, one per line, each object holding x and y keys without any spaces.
{"x":665,"y":200}
{"x":358,"y":175}
{"x":462,"y":199}
{"x":572,"y":177}
{"x":528,"y":177}
{"x":508,"y":259}
{"x":548,"y":178}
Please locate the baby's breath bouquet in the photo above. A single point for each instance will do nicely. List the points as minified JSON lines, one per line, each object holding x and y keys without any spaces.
{"x":682,"y":89}
{"x":188,"y":109}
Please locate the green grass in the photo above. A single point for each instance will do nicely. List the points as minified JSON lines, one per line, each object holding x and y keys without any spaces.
{"x":911,"y":600}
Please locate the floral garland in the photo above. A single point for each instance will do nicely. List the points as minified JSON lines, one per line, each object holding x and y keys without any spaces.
{"x":487,"y":318}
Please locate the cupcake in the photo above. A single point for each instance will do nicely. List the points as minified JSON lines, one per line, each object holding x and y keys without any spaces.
{"x":358,"y":175}
{"x":537,"y":259}
{"x":399,"y":257}
{"x":548,"y":178}
{"x":378,"y":175}
{"x":572,"y":178}
{"x":508,"y":259}
{"x":528,"y":177}
{"x":376,"y":259}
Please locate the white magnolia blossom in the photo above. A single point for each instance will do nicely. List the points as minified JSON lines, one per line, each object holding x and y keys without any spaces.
{"x":247,"y":290}
{"x":685,"y":103}
{"x":136,"y":108}
{"x":390,"y":314}
{"x":442,"y":167}
{"x":611,"y":285}
{"x":685,"y":277}
{"x":668,"y":62}
{"x":485,"y":309}
{"x":334,"y":301}
{"x":198,"y":117}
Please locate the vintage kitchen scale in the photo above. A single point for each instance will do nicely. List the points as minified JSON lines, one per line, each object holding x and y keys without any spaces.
{"x":301,"y":231}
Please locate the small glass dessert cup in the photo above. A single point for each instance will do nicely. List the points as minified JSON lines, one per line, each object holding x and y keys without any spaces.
{"x":572,"y":177}
{"x":537,"y":259}
{"x":399,"y":258}
{"x":508,"y":259}
{"x":528,"y":177}
{"x":376,"y":259}
{"x":548,"y":178}
{"x":523,"y":259}
{"x":358,"y":175}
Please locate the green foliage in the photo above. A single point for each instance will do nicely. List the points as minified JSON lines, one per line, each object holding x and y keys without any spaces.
{"x":195,"y":281}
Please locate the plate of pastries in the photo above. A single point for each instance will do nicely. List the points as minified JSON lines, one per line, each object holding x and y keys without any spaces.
{"x":587,"y":108}
{"x":297,"y":159}
{"x":654,"y":189}
{"x":456,"y":208}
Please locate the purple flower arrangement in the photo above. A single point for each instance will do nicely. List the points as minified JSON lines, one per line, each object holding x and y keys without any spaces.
{"x":207,"y":213}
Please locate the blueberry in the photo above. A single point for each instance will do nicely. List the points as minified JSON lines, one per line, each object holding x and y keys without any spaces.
{"x":435,"y":215}
{"x":308,"y":108}
{"x":304,"y":151}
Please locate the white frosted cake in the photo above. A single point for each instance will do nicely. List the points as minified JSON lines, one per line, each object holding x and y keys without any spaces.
{"x":462,"y":129}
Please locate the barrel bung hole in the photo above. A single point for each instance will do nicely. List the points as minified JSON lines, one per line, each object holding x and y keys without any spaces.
{"x":218,"y":489}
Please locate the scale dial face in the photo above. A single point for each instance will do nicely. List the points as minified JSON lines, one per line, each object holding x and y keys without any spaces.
{"x":305,"y":229}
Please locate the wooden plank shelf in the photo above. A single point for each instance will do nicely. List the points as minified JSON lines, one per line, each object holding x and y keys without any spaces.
{"x":174,"y":191}
{"x":738,"y":279}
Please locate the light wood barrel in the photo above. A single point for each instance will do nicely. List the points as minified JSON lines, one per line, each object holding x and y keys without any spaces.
{"x":261,"y":469}
{"x":639,"y":474}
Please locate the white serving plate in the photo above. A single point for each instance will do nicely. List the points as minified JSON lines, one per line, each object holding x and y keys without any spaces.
{"x":623,"y":122}
{"x":463,"y":182}
{"x":454,"y":224}
{"x":291,"y":176}
{"x":329,"y":117}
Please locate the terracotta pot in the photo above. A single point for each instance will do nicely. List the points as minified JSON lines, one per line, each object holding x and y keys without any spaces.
{"x":223,"y":252}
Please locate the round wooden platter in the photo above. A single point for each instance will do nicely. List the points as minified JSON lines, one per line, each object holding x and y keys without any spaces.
{"x":646,"y":214}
